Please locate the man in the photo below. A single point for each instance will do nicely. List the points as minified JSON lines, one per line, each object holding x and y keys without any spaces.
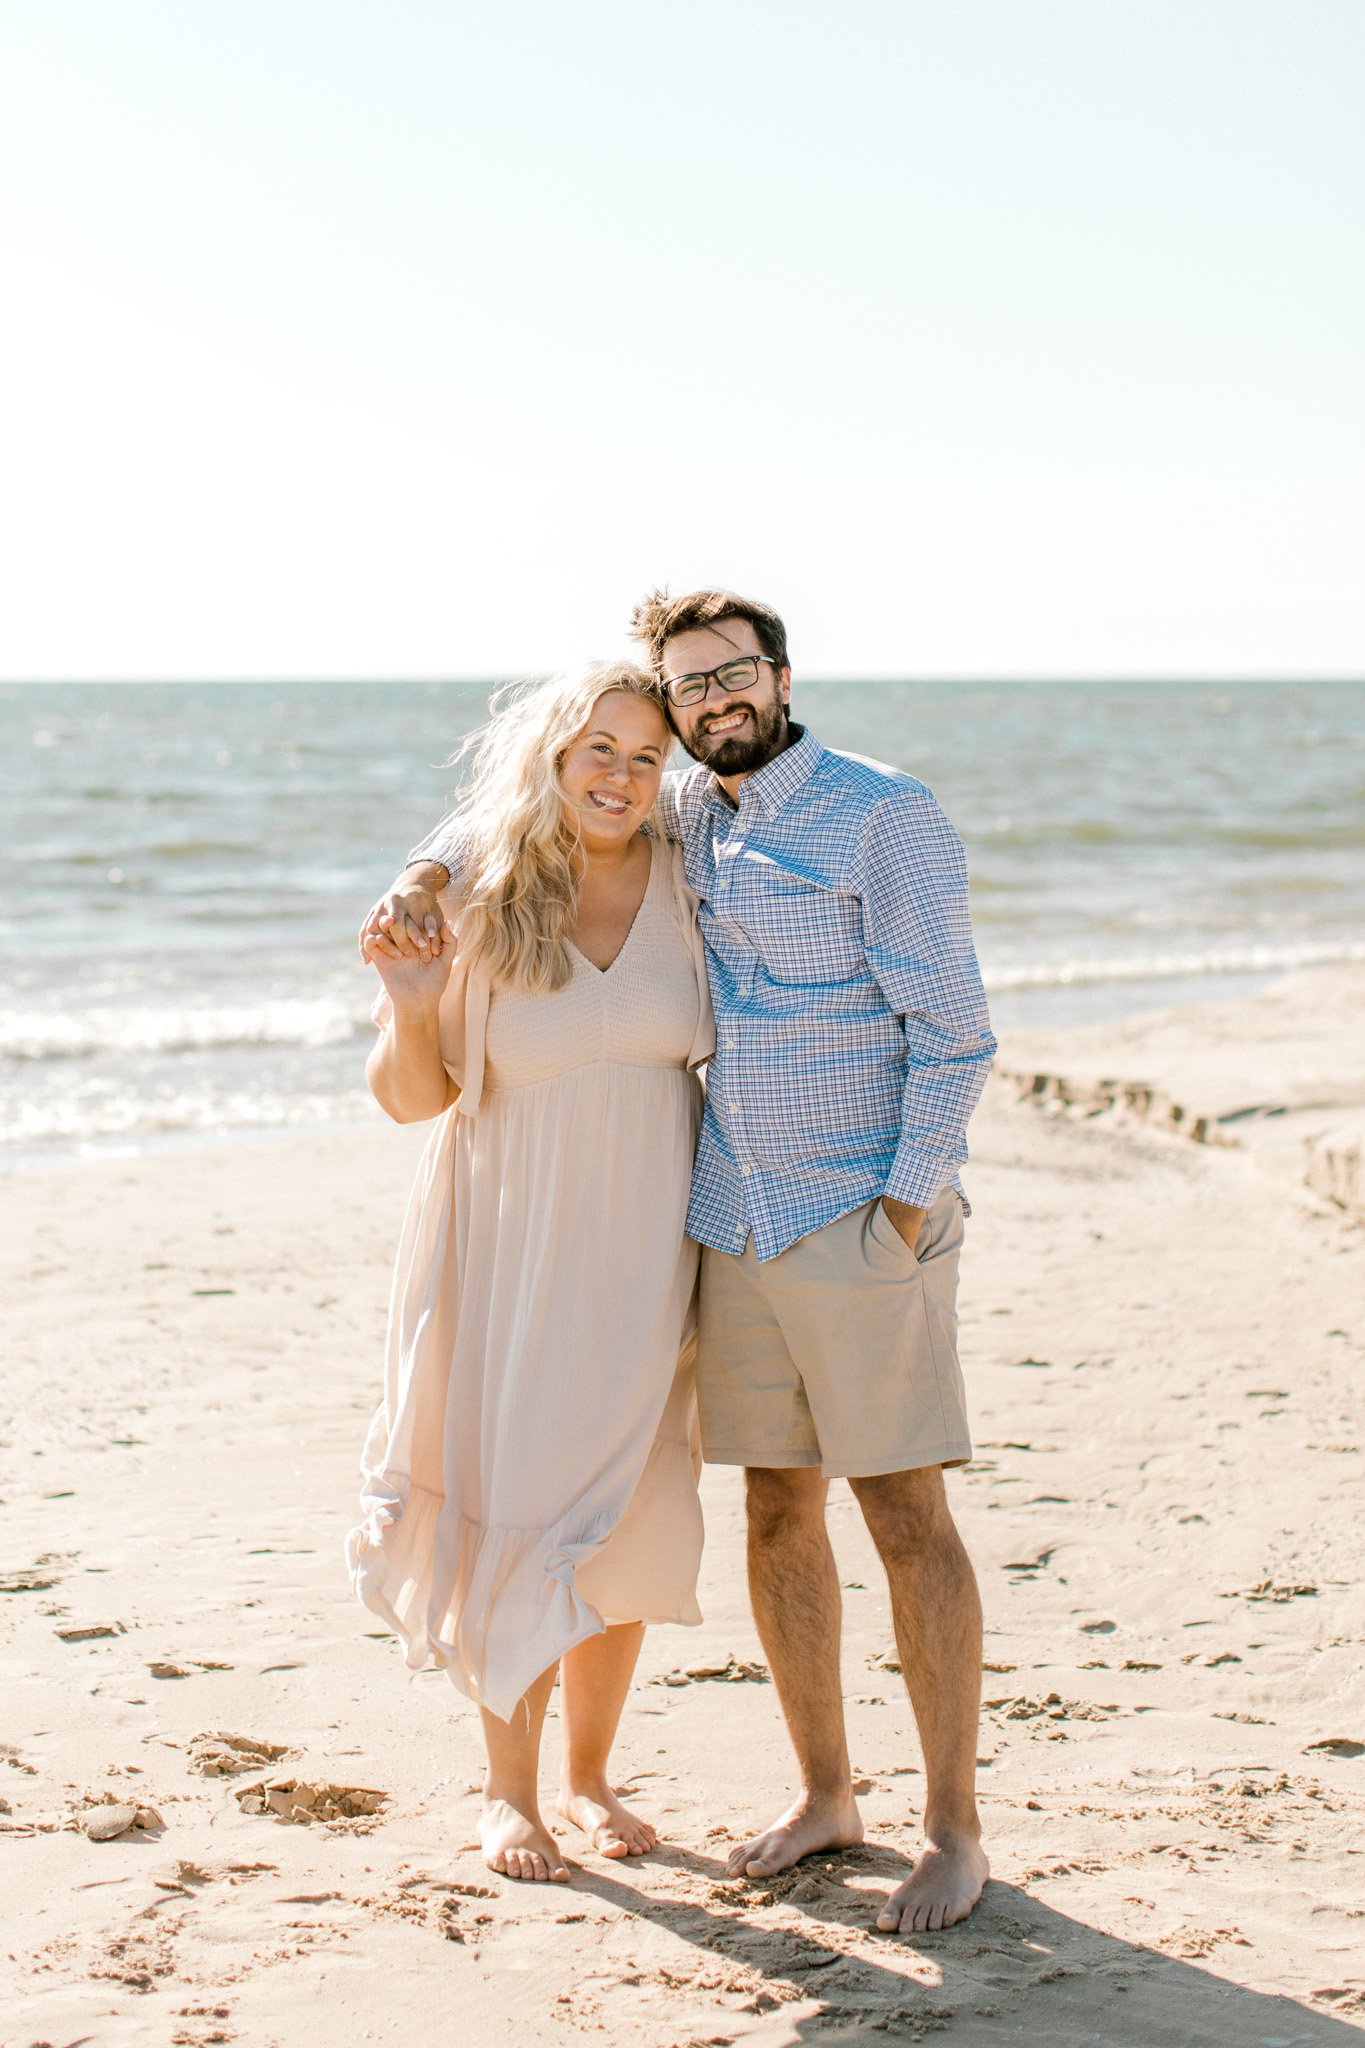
{"x":852,"y":1044}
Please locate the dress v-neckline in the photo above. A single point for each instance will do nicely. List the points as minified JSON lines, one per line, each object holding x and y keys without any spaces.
{"x":649,"y":884}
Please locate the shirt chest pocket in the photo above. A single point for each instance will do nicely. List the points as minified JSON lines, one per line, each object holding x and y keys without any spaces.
{"x":805,"y":932}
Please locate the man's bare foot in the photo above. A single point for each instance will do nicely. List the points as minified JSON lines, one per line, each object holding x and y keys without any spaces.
{"x":941,"y":1889}
{"x":809,"y":1825}
{"x":518,"y":1844}
{"x":610,"y":1827}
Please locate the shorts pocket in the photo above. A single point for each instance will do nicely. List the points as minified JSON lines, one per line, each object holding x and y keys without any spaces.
{"x":883,"y":1234}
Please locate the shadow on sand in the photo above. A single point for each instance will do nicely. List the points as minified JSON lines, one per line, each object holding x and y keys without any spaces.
{"x":802,"y":1948}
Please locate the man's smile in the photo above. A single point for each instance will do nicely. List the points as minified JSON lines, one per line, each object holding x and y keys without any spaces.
{"x":727,"y":721}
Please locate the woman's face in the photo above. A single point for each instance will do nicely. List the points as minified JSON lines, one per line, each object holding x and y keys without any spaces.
{"x":610,"y":773}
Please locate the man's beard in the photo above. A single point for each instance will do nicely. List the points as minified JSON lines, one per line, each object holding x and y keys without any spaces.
{"x":748,"y":749}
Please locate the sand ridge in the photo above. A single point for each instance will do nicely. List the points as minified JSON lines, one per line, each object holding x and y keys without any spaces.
{"x":1163,"y":1345}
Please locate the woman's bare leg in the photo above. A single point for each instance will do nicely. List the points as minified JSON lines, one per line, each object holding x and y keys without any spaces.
{"x":595,"y":1680}
{"x":515,"y":1839}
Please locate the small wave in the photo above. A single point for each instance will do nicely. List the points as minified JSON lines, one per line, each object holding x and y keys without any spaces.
{"x":69,"y":1121}
{"x":29,"y":1035}
{"x":1170,"y":966}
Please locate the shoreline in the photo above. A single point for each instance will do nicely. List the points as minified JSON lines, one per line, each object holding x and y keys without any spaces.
{"x":1060,"y":1008}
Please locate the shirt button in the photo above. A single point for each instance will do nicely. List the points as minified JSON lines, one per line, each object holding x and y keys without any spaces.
{"x":745,"y":1171}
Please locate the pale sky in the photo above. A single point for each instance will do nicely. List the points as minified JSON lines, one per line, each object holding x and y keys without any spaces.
{"x":981,"y":337}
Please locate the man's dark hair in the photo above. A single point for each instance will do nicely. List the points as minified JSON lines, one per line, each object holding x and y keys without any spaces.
{"x":658,"y":617}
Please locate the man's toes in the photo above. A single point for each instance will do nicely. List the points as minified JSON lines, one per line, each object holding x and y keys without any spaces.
{"x":898,"y":1915}
{"x":613,"y":1846}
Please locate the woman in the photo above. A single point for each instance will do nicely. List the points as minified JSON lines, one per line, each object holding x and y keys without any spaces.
{"x":530,"y":1478}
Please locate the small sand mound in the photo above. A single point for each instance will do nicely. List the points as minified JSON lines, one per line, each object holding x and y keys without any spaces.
{"x":731,"y":1672}
{"x":105,"y":1819}
{"x":294,"y":1800}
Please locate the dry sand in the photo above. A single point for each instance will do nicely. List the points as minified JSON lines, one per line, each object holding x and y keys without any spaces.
{"x":1163,"y":1341}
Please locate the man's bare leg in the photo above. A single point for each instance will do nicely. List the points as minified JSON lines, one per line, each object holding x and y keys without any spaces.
{"x":794,"y":1587}
{"x":594,"y":1679}
{"x":937,"y":1614}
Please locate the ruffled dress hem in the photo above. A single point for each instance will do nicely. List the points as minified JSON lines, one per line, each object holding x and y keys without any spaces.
{"x":441,"y":1582}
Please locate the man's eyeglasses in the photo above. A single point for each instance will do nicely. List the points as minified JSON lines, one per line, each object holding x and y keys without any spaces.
{"x":731,"y":675}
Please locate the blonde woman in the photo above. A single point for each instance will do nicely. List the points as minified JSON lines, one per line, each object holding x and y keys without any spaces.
{"x":530,"y":1497}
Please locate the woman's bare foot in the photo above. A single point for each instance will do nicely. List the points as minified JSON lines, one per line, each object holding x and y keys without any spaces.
{"x":518,"y":1844}
{"x":810,"y":1823}
{"x":611,"y":1827}
{"x":941,"y":1889}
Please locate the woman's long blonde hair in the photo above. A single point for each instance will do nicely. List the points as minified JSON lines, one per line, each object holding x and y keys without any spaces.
{"x":522,"y":861}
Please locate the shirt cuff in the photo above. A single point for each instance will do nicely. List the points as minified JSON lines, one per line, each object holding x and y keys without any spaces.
{"x":918,"y":1178}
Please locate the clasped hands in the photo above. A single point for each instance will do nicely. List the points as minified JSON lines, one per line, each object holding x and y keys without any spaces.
{"x":407,"y":922}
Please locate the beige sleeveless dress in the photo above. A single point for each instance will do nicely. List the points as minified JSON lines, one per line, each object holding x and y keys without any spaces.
{"x":531,"y":1474}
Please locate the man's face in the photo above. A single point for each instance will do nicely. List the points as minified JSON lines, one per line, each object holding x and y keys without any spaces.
{"x":734,"y":731}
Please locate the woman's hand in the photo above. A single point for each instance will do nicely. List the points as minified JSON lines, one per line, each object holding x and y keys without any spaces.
{"x":405,"y":1071}
{"x":408,"y":915}
{"x":414,"y":980}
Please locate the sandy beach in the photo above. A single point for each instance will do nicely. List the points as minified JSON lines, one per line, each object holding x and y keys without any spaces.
{"x":1163,"y":1327}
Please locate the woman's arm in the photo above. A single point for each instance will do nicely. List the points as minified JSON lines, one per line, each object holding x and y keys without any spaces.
{"x":405,"y":1070}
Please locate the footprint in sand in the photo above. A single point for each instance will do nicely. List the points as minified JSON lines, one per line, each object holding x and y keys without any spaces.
{"x":1052,"y":1707}
{"x":37,"y":1577}
{"x":216,"y":1754}
{"x":731,"y":1672}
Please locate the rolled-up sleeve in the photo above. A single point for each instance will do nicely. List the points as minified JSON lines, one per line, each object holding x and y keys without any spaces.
{"x":444,"y":843}
{"x":918,"y":941}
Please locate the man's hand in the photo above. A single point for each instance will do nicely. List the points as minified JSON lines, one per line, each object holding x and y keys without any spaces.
{"x":904,"y":1218}
{"x":406,"y":921}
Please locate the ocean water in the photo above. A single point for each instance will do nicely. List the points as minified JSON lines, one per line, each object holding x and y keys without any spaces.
{"x":183,"y":867}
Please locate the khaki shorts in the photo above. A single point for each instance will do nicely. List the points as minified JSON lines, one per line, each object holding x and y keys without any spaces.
{"x":840,"y":1353}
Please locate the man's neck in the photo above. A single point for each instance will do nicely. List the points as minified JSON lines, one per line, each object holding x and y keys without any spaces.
{"x":732,"y":784}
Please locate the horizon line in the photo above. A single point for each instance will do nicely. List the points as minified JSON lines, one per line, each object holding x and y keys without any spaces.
{"x":421,"y":680}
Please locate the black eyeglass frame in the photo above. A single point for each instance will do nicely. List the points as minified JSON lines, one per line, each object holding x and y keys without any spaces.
{"x":707,"y":676}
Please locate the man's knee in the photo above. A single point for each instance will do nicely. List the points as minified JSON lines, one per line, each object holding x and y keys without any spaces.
{"x":906,"y":1511}
{"x":778,"y":1500}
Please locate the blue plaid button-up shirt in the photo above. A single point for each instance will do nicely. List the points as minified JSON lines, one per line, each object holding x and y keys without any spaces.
{"x":852,"y":1038}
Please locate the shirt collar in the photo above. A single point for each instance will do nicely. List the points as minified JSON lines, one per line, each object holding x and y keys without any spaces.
{"x":777,"y":781}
